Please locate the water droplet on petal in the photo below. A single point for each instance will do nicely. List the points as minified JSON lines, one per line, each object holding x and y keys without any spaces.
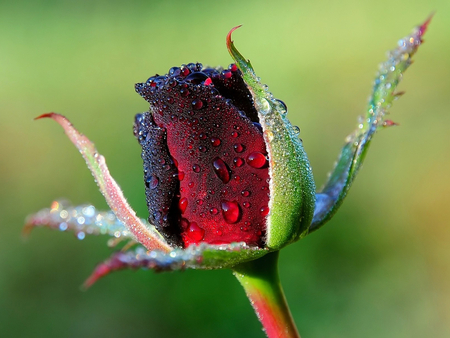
{"x":245,"y":193}
{"x":152,"y":182}
{"x":231,"y":211}
{"x":239,"y":148}
{"x":215,"y":142}
{"x":221,"y":169}
{"x":256,"y":160}
{"x":214,"y":211}
{"x":197,"y":104}
{"x":183,"y":204}
{"x":264,"y":211}
{"x":196,"y":168}
{"x":238,"y":162}
{"x":195,"y":232}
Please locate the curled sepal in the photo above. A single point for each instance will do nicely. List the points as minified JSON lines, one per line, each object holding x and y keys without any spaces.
{"x":82,"y":220}
{"x":292,"y":189}
{"x":110,"y":189}
{"x":202,"y":256}
{"x":331,"y":195}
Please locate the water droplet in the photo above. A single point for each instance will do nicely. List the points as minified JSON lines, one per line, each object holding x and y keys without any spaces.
{"x":245,"y":193}
{"x":238,"y":162}
{"x":197,"y":104}
{"x":239,"y":148}
{"x":195,"y":232}
{"x":183,"y":204}
{"x":196,"y":168}
{"x":221,"y":169}
{"x":81,"y":235}
{"x":256,"y":160}
{"x":214,"y":211}
{"x":226,"y":74}
{"x":215,"y":142}
{"x":231,"y":211}
{"x":181,"y":175}
{"x":233,"y":67}
{"x":246,"y":204}
{"x":152,"y":182}
{"x":234,"y":134}
{"x":264,"y":211}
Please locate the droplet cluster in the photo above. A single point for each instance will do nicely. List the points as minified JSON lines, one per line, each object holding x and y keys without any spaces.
{"x":213,"y":136}
{"x":82,"y":220}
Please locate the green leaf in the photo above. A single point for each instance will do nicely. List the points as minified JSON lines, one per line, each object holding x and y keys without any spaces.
{"x":331,"y":195}
{"x":292,"y":189}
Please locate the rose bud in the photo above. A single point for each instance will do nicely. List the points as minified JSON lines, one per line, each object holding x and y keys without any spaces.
{"x":226,"y":177}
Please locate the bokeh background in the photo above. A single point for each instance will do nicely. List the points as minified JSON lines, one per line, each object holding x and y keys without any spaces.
{"x":380,"y":268}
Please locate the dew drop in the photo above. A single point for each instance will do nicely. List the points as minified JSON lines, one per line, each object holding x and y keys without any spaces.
{"x":239,"y":148}
{"x":190,"y":184}
{"x":246,"y":204}
{"x":264,"y":211}
{"x":233,"y":67}
{"x":215,"y":142}
{"x":183,"y":204}
{"x":231,"y":211}
{"x":197,"y":104}
{"x":181,"y":175}
{"x":238,"y":162}
{"x":196,"y":168}
{"x":234,"y":134}
{"x":256,"y":160}
{"x":195,"y":232}
{"x":214,"y":211}
{"x":152,"y":182}
{"x":245,"y":193}
{"x":221,"y":169}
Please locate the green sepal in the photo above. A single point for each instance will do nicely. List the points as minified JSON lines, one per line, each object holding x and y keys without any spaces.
{"x":292,"y":188}
{"x":330,"y":196}
{"x":201,"y":256}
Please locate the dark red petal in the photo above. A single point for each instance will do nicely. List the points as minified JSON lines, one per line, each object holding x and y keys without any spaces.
{"x":161,"y":177}
{"x":221,"y":196}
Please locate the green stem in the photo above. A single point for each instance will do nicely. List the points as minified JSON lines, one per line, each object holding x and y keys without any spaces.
{"x":261,"y":283}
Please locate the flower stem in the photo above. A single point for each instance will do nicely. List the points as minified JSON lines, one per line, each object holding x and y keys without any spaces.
{"x":261,"y":283}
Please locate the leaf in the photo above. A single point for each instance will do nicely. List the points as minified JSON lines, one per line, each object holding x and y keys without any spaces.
{"x":292,"y":189}
{"x":147,"y":236}
{"x":202,"y":256}
{"x":331,"y":195}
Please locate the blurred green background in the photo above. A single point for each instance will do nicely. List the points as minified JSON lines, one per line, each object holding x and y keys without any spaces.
{"x":380,"y":268}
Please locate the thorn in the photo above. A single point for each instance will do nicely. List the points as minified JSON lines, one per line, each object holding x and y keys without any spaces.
{"x":50,"y":115}
{"x":389,"y":123}
{"x":100,"y":271}
{"x":423,"y":27}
